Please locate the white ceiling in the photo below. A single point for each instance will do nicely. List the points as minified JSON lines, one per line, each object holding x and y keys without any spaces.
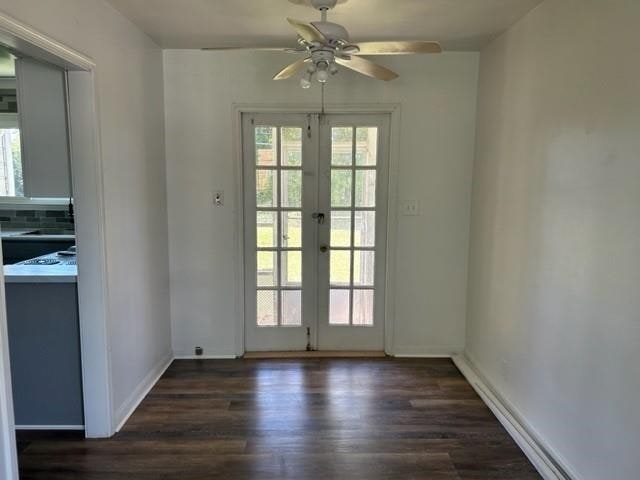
{"x":457,"y":24}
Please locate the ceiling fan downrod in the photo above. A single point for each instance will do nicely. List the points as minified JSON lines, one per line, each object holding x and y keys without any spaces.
{"x":324,"y":6}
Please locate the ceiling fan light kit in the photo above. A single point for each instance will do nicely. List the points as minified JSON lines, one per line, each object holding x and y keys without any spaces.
{"x":327,"y":46}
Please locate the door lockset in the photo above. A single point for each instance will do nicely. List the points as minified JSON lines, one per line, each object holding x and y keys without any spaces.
{"x":319,"y":217}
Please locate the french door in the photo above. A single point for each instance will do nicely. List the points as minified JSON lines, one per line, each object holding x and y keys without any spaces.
{"x":315,"y":210}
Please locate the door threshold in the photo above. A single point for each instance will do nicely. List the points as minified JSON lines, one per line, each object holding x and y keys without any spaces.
{"x":317,"y":354}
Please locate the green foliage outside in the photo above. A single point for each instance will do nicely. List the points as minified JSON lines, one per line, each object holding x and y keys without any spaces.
{"x":341,"y":190}
{"x":339,"y":268}
{"x":341,"y":180}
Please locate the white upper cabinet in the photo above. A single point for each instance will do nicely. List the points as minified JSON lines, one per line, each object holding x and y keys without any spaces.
{"x":42,"y":113}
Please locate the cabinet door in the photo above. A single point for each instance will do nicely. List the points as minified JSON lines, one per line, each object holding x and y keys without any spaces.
{"x":42,"y":114}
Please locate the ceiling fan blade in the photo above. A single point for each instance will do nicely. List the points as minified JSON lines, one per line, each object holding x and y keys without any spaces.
{"x":367,"y":68}
{"x":290,"y":70}
{"x":398,"y":48}
{"x":308,"y":32}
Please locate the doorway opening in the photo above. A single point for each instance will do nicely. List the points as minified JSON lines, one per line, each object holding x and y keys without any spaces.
{"x":39,"y":245}
{"x":315,"y":231}
{"x":81,"y":306}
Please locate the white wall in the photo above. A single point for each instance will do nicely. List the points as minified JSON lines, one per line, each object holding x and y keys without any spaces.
{"x":554,"y":310}
{"x":438,"y":98}
{"x":130,"y":109}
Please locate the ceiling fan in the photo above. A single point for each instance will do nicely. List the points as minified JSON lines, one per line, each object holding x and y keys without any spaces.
{"x":326,"y":45}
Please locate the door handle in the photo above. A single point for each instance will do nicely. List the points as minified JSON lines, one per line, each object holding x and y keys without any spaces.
{"x":319,"y":217}
{"x":324,"y":248}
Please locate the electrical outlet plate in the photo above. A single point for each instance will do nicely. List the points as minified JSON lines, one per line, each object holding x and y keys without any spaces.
{"x":218,"y":198}
{"x":410,"y":208}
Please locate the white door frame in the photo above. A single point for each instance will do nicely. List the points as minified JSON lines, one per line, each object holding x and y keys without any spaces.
{"x":8,"y":451}
{"x":90,"y":231}
{"x":394,"y":111}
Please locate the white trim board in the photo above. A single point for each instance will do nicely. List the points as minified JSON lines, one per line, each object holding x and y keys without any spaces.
{"x":422,"y":355}
{"x":543,"y":458}
{"x":93,"y":288}
{"x":446,"y":351}
{"x":50,"y":427}
{"x":8,"y":450}
{"x":25,"y":39}
{"x":142,"y":390}
{"x":205,"y":357}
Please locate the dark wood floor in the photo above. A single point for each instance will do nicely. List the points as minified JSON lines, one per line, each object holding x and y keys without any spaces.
{"x":294,"y":419}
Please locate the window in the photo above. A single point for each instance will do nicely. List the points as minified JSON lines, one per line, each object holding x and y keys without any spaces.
{"x":11,"y":181}
{"x":44,"y":106}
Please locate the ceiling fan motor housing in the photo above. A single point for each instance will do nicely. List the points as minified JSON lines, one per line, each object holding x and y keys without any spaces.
{"x":332,"y":31}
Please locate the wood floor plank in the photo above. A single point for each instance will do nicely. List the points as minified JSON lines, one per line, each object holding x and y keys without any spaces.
{"x":312,"y":418}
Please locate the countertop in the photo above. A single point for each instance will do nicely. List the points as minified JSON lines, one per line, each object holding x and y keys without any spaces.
{"x":64,"y":272}
{"x":10,"y":233}
{"x":31,"y":235}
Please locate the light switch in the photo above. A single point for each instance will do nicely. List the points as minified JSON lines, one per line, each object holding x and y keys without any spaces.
{"x":410,"y":208}
{"x":218,"y":198}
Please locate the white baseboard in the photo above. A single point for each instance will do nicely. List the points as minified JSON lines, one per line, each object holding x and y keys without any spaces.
{"x":128,"y":407}
{"x":426,"y":352}
{"x":205,"y":357}
{"x":538,"y":452}
{"x":50,"y":427}
{"x":422,"y":355}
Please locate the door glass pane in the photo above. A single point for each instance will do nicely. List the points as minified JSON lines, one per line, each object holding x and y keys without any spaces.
{"x":363,"y":307}
{"x":266,"y":193}
{"x":291,"y":268}
{"x":365,"y":188}
{"x":278,"y":185}
{"x":267,"y":269}
{"x":292,"y":229}
{"x":341,"y":188}
{"x":339,"y":307}
{"x":366,"y":145}
{"x":340,"y":267}
{"x":291,"y":146}
{"x":266,"y":148}
{"x":365,"y":229}
{"x":340,"y":229}
{"x":363,"y":268}
{"x":291,"y":307}
{"x":291,"y":196}
{"x":267,"y":308}
{"x":341,"y":145}
{"x":267,"y":229}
